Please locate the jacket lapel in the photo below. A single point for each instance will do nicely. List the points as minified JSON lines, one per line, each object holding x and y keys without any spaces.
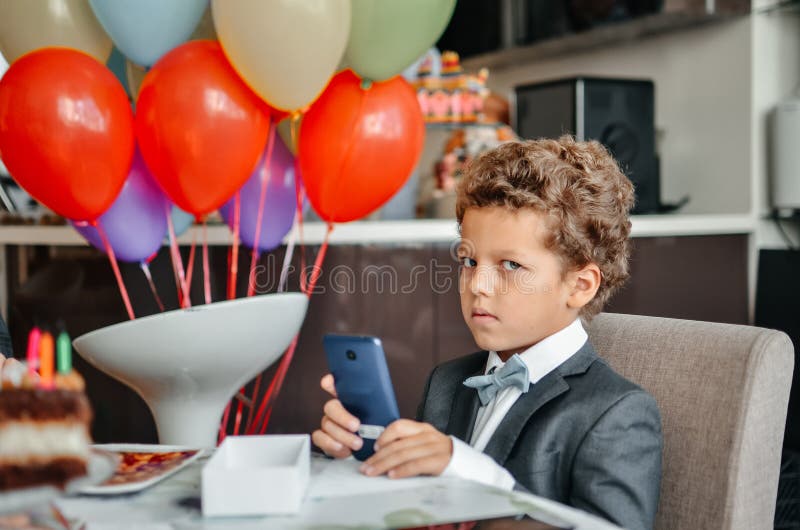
{"x":548,"y":388}
{"x":464,"y":410}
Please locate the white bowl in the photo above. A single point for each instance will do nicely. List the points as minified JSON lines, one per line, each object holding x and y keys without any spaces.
{"x":187,"y":364}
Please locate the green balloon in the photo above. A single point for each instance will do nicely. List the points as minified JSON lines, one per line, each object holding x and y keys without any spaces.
{"x":386,"y":36}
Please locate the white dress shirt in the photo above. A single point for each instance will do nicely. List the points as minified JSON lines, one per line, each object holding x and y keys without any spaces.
{"x":468,"y":460}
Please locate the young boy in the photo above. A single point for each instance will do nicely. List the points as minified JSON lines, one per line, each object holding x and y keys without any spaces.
{"x":545,"y":229}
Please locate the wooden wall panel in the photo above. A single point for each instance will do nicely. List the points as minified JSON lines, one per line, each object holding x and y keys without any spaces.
{"x":407,"y":295}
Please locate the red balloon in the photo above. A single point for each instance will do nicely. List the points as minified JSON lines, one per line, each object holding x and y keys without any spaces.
{"x":358,"y":146}
{"x":201,"y":130}
{"x":66,"y":131}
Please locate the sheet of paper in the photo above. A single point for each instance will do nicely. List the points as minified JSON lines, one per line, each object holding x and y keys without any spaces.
{"x":341,"y":478}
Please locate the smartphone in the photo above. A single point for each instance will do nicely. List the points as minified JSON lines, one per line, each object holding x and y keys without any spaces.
{"x":363,"y":385}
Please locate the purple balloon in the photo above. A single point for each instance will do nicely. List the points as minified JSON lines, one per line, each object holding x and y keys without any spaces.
{"x":136,"y":222}
{"x":279,"y":203}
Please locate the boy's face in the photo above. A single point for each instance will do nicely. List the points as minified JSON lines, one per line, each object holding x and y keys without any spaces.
{"x":512,"y":291}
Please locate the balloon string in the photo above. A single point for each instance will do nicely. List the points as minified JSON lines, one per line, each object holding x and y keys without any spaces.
{"x":277,"y":382}
{"x":251,"y":287}
{"x":296,"y":228}
{"x":190,"y":268}
{"x":233,"y":264}
{"x":251,"y":283}
{"x":206,"y":272}
{"x":115,"y":266}
{"x":299,"y":198}
{"x":231,"y":281}
{"x":265,"y":178}
{"x":177,"y":262}
{"x":299,"y":192}
{"x":317,"y":268}
{"x":223,"y":424}
{"x":253,"y":398}
{"x":265,"y":399}
{"x":238,"y":422}
{"x":287,"y":258}
{"x":146,"y":269}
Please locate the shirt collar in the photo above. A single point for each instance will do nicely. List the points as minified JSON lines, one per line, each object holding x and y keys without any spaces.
{"x":549,"y":353}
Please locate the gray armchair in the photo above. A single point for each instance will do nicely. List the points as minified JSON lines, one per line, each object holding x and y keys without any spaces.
{"x":723,"y":391}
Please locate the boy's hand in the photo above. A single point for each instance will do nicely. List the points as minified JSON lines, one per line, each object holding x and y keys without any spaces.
{"x":336,"y":433}
{"x":409,"y":448}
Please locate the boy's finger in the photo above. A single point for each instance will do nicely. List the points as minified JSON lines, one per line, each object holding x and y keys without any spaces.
{"x":399,"y":429}
{"x":330,"y":446}
{"x":389,"y":451}
{"x":336,"y":411}
{"x":400,"y":457}
{"x":432,"y":464}
{"x":328,"y":385}
{"x":341,"y":435}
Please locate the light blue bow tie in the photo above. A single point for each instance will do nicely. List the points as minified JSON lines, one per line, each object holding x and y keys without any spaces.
{"x":513,"y":373}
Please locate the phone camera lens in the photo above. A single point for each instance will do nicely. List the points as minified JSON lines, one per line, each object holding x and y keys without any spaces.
{"x":351,"y":355}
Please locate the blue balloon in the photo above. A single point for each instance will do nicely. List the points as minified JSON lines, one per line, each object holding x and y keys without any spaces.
{"x":181,"y":221}
{"x":144,"y":30}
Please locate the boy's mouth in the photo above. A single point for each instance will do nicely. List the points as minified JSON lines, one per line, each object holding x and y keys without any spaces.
{"x":482,"y":315}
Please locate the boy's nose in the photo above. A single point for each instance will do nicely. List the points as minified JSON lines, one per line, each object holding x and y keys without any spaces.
{"x":483,"y":280}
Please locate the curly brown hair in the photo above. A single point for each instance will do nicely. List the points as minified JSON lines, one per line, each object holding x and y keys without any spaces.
{"x":581,"y":190}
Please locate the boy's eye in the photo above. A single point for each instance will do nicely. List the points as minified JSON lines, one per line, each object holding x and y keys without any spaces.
{"x":510,"y":265}
{"x":467,"y":262}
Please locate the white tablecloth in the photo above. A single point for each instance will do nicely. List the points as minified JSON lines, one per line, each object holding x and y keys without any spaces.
{"x":338,"y":496}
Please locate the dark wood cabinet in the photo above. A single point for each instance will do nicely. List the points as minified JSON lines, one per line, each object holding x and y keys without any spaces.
{"x":479,"y":30}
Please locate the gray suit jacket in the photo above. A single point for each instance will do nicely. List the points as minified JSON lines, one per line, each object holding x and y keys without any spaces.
{"x":583,"y":435}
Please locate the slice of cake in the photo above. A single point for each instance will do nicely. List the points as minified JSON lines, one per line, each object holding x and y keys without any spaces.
{"x":44,"y":429}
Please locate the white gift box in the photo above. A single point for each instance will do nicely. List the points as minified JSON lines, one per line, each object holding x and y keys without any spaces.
{"x":257,"y":475}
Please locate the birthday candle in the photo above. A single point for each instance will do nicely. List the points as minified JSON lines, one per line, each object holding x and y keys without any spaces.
{"x":46,"y":359}
{"x":64,"y":353}
{"x":33,"y":349}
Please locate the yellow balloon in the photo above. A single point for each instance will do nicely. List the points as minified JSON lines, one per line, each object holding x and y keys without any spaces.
{"x":289,"y":137}
{"x":31,"y":24}
{"x":285,"y":51}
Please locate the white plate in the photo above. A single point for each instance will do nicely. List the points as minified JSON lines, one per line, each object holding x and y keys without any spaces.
{"x":154,"y":476}
{"x":100,"y":467}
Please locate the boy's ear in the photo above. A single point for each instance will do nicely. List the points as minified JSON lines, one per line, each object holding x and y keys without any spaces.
{"x":583,"y":285}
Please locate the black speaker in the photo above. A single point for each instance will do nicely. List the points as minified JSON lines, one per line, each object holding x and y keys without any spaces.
{"x":619,"y":113}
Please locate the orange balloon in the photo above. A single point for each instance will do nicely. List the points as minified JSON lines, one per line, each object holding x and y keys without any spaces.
{"x":358,"y":145}
{"x":201,"y":130}
{"x":66,"y":131}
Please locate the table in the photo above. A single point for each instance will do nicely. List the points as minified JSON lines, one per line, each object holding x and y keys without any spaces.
{"x":338,"y":497}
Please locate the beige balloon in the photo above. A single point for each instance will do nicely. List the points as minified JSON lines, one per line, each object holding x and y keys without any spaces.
{"x":286,"y":51}
{"x":26,"y":25}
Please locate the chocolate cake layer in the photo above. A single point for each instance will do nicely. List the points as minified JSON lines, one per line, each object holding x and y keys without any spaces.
{"x":44,"y":405}
{"x":57,"y":473}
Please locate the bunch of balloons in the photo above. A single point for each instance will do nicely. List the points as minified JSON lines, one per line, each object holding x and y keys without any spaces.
{"x":206,"y":109}
{"x":213,"y":81}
